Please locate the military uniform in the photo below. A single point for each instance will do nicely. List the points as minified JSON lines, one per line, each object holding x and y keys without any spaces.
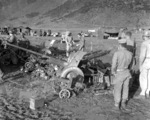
{"x":82,"y":43}
{"x":13,"y":40}
{"x":145,"y":66}
{"x":69,"y":42}
{"x":131,"y":47}
{"x":120,"y":69}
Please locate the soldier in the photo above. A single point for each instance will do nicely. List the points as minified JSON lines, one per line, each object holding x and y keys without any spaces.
{"x":13,"y":40}
{"x":48,"y":44}
{"x":120,"y":69}
{"x":81,"y":42}
{"x":144,"y":66}
{"x":69,"y":42}
{"x":131,"y":46}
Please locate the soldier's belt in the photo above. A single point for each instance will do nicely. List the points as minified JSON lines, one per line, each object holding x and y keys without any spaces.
{"x":119,"y":70}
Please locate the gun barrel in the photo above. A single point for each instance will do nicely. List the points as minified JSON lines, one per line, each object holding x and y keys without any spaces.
{"x":50,"y":59}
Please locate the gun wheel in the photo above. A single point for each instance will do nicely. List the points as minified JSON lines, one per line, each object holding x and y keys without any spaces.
{"x":64,"y":94}
{"x":29,"y":66}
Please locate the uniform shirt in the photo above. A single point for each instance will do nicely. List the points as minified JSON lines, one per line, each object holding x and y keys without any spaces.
{"x":145,"y":49}
{"x":69,"y":40}
{"x":145,"y":53}
{"x":82,"y":42}
{"x":121,"y":60}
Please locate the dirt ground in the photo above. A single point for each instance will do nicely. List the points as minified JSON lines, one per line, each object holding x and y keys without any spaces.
{"x":85,"y":106}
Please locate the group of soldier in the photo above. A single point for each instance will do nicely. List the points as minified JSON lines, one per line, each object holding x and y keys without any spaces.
{"x":123,"y":62}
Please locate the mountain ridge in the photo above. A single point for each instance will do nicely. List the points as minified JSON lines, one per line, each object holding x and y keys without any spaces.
{"x":40,"y":13}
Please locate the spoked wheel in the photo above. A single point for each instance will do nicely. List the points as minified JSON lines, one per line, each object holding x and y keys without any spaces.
{"x":75,"y":76}
{"x":29,"y":66}
{"x":65,"y":94}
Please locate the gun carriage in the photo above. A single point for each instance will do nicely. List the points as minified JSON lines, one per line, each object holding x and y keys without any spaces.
{"x":67,"y":75}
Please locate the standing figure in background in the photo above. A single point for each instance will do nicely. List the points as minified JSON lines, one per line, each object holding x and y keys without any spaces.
{"x":81,"y":43}
{"x":48,"y":44}
{"x":120,"y":69}
{"x":69,"y":42}
{"x":13,"y":40}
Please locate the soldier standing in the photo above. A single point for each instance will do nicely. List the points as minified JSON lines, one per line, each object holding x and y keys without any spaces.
{"x":120,"y":69}
{"x":81,"y":42}
{"x":144,"y":66}
{"x":13,"y":40}
{"x":69,"y":42}
{"x":131,"y":46}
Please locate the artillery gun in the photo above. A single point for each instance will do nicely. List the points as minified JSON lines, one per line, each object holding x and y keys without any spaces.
{"x":68,"y":75}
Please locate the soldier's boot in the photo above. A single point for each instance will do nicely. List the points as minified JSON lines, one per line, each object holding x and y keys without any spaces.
{"x":116,"y":107}
{"x":124,"y":106}
{"x":147,"y":95}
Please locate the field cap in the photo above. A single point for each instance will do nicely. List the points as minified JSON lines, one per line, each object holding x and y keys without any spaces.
{"x":121,"y":41}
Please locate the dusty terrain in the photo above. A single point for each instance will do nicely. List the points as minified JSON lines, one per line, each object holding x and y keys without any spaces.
{"x":79,"y":15}
{"x":85,"y":106}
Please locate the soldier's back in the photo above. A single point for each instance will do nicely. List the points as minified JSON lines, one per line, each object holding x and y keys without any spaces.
{"x":124,"y":58}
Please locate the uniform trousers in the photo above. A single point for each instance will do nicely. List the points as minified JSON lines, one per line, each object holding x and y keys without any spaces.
{"x":121,"y":86}
{"x":145,"y":81}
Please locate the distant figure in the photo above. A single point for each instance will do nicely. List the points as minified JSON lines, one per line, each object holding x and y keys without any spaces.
{"x":69,"y":42}
{"x":13,"y":40}
{"x":31,"y":33}
{"x":49,"y":32}
{"x":44,"y":33}
{"x":40,"y":32}
{"x":48,"y":45}
{"x":81,"y":43}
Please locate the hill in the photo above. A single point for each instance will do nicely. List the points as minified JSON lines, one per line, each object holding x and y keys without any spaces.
{"x":71,"y":13}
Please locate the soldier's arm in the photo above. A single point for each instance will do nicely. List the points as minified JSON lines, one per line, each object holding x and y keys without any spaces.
{"x":143,"y":51}
{"x":114,"y":64}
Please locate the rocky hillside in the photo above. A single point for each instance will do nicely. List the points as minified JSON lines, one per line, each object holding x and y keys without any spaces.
{"x":49,"y":13}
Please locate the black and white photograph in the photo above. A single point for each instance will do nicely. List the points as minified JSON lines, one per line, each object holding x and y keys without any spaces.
{"x":74,"y":59}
